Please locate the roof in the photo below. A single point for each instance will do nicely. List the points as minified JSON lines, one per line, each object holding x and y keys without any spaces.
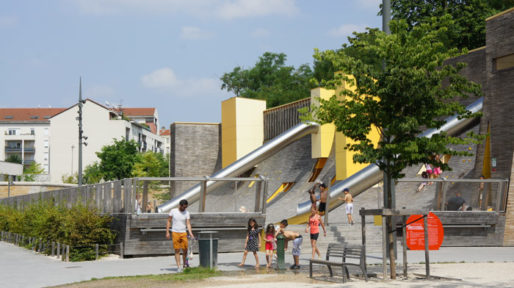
{"x":136,"y":111}
{"x":153,"y":127}
{"x":165,"y":132}
{"x":28,"y":114}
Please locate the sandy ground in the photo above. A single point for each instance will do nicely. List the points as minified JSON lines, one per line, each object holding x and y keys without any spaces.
{"x":456,"y":275}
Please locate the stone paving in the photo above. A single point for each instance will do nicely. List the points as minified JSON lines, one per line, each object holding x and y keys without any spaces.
{"x":20,"y":267}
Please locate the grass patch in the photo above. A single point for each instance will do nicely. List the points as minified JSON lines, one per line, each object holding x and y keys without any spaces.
{"x":189,"y":274}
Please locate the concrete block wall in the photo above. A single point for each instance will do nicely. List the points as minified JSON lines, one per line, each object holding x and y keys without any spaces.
{"x":499,"y":91}
{"x":195,"y":151}
{"x":508,"y":238}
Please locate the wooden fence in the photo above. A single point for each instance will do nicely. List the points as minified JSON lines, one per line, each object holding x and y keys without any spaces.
{"x":109,"y":198}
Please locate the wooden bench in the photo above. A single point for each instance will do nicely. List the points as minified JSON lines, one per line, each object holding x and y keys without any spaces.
{"x":344,"y":253}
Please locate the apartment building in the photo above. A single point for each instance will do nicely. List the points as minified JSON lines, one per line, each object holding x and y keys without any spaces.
{"x":166,"y":136}
{"x":101,"y":125}
{"x":25,"y":132}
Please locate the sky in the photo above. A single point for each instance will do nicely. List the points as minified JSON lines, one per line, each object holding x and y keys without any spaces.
{"x":167,"y":54}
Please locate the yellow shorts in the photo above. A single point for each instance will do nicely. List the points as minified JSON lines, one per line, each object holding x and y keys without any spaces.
{"x":179,"y":240}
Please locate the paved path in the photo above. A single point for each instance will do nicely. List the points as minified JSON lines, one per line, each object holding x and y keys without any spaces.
{"x":20,"y":267}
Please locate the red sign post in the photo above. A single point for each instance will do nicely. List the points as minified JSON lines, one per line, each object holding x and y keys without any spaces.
{"x":415,"y":232}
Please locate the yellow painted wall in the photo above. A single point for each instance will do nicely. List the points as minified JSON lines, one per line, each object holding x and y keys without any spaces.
{"x":323,"y":140}
{"x":242,"y":127}
{"x":344,"y":158}
{"x":228,"y":132}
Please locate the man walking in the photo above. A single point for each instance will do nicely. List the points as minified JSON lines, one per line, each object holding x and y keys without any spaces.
{"x":179,"y":220}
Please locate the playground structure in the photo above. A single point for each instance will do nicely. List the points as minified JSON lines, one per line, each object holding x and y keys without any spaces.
{"x":230,"y":171}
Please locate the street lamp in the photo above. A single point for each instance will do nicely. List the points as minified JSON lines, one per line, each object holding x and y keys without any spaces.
{"x":72,"y":147}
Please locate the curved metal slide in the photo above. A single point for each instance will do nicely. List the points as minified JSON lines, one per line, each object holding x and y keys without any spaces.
{"x":371,"y":174}
{"x":357,"y":183}
{"x":247,"y":162}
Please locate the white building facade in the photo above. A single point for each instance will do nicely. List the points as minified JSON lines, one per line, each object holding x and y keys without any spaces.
{"x":100,"y":125}
{"x":25,"y":132}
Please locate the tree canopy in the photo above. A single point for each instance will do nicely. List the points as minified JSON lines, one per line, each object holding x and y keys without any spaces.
{"x":118,"y":159}
{"x":270,"y":79}
{"x":468,"y":27}
{"x":400,"y":98}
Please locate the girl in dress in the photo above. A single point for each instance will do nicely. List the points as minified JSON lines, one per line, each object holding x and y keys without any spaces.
{"x":252,"y":242}
{"x":270,"y":244}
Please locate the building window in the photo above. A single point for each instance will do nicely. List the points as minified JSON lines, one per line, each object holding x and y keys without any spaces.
{"x":32,"y":131}
{"x":13,"y":131}
{"x":45,"y":132}
{"x":46,"y":144}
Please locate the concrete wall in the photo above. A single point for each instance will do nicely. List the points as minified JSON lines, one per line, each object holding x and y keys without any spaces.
{"x":195,"y":151}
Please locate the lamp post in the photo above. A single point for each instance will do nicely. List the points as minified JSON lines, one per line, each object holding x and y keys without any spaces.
{"x":81,"y":137}
{"x":72,"y":147}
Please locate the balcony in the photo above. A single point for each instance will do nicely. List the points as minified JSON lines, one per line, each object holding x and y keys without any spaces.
{"x":9,"y":149}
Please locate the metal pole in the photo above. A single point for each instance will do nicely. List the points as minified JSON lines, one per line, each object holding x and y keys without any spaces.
{"x":9,"y":180}
{"x":427,"y":257}
{"x":210,"y":250}
{"x":499,"y":196}
{"x":404,"y":244}
{"x":363,"y":224}
{"x":384,"y":247}
{"x":80,"y":133}
{"x":386,"y":16}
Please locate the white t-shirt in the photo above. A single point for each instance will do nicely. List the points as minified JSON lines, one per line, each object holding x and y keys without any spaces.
{"x":178,"y":223}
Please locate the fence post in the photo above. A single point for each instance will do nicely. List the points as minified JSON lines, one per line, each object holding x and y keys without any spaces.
{"x":67,"y":253}
{"x":122,"y":254}
{"x":499,"y":199}
{"x":203,"y":194}
{"x":58,"y":250}
{"x":96,"y":251}
{"x":257,"y":196}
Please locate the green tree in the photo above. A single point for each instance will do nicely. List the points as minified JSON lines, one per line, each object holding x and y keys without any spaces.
{"x":400,"y":98}
{"x":270,"y":79}
{"x":118,"y":159}
{"x":30,"y":171}
{"x":150,"y":164}
{"x":468,"y":28}
{"x":93,"y":174}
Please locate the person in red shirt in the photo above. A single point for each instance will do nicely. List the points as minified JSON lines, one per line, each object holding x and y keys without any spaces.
{"x":313,"y":228}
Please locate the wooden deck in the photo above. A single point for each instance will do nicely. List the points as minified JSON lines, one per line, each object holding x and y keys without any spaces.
{"x":144,"y":234}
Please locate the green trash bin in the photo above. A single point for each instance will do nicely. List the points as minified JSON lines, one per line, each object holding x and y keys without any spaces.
{"x":208,"y":257}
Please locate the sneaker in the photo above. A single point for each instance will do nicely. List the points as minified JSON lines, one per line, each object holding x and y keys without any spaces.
{"x":179,"y":269}
{"x":292,"y":267}
{"x":297,"y":267}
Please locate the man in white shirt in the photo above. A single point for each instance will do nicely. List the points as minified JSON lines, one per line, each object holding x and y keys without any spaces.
{"x":179,"y":218}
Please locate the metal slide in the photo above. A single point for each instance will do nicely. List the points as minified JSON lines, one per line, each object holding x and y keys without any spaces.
{"x":371,"y":174}
{"x":247,"y":162}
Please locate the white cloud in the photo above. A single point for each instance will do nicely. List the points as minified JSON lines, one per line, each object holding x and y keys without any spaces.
{"x":194,"y":33}
{"x":346,"y":30}
{"x":160,"y":78}
{"x":232,"y":9}
{"x":8,"y":21}
{"x":224,"y":9}
{"x":260,"y":33}
{"x":165,"y":80}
